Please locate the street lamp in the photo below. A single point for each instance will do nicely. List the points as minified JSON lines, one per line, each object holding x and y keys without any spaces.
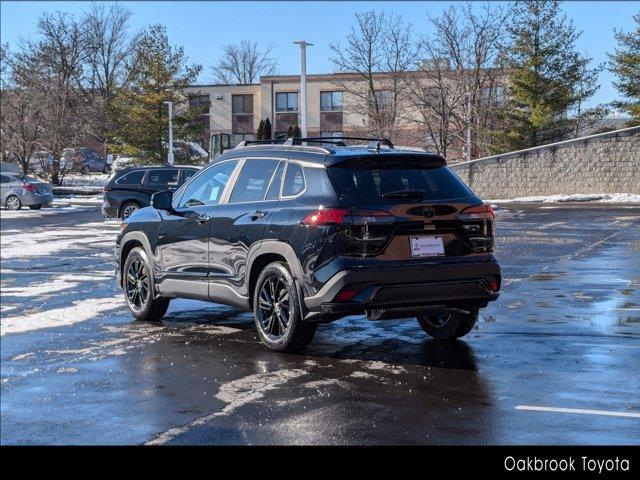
{"x":170,"y":153}
{"x":303,"y":84}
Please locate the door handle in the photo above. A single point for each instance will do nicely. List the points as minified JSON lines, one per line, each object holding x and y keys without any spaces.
{"x":258,"y":214}
{"x":202,"y":218}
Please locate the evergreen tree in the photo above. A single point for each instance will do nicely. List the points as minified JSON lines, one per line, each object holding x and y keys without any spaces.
{"x":261,"y":130}
{"x":297,"y":132}
{"x":625,"y":63}
{"x":267,"y":129}
{"x":548,"y":78}
{"x":290,"y":131}
{"x":159,"y":73}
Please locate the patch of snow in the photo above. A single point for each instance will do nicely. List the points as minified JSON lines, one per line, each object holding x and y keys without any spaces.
{"x":40,"y":243}
{"x":80,"y":311}
{"x":236,"y":394}
{"x":577,"y":197}
{"x":60,"y":282}
{"x":93,"y":179}
{"x":45,"y":211}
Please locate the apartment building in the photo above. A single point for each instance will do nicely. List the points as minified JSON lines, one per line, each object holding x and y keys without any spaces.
{"x":332,"y":110}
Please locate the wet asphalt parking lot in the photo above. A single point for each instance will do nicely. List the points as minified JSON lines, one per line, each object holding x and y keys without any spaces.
{"x":555,"y":360}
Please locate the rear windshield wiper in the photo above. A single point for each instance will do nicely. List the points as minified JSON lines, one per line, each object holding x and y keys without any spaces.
{"x":404,"y":194}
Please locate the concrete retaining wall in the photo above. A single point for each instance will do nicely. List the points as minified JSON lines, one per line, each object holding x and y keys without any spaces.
{"x":603,"y":163}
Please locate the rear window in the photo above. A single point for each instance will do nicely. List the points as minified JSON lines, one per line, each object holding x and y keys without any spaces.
{"x":369,"y":182}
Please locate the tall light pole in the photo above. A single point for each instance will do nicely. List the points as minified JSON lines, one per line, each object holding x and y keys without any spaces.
{"x":170,"y":153}
{"x":303,"y":84}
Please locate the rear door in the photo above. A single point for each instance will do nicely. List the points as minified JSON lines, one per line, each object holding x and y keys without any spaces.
{"x":239,"y":224}
{"x":404,"y":208}
{"x":159,"y":179}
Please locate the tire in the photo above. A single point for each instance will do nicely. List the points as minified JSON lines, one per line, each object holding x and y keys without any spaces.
{"x":35,"y":207}
{"x":448,"y":325}
{"x":127,"y":209}
{"x":139,"y":288}
{"x":13,"y":203}
{"x":279,"y":323}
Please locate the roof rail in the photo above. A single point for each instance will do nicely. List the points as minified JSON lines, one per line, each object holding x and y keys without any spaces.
{"x":374,"y":143}
{"x":274,"y":141}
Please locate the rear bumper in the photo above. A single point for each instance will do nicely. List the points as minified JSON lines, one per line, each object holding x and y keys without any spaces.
{"x":450,"y":283}
{"x":31,"y":199}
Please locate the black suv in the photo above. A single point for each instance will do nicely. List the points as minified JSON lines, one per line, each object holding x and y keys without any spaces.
{"x":131,"y":188}
{"x":311,"y":230}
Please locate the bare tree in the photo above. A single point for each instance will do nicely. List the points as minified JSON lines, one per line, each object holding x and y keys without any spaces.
{"x":244,"y":63}
{"x":60,"y":54}
{"x":23,"y":107}
{"x":459,"y":87}
{"x":374,"y":58}
{"x":110,"y":55}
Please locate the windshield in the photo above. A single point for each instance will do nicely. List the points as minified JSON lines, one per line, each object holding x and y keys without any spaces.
{"x":366,"y":183}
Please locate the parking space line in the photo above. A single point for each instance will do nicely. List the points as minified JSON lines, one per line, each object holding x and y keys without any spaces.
{"x":578,"y":411}
{"x":608,"y":345}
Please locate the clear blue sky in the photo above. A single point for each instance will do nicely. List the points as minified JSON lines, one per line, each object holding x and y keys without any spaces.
{"x":202,"y":27}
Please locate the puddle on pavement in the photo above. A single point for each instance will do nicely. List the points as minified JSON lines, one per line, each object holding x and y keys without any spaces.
{"x":545,"y":276}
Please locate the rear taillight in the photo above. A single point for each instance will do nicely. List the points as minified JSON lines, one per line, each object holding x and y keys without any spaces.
{"x":105,"y":189}
{"x":479,"y":212}
{"x":325,"y":216}
{"x":28,"y":187}
{"x":478,"y":223}
{"x":494,"y":282}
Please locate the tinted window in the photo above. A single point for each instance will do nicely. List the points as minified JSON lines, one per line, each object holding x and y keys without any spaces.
{"x":253,"y":181}
{"x":163,"y":177}
{"x":4,"y":179}
{"x":371,"y":183}
{"x":207,"y":188}
{"x":274,"y":189}
{"x":131,"y":178}
{"x":293,"y":180}
{"x":187,"y":174}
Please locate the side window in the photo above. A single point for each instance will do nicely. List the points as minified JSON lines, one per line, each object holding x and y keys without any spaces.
{"x":208,"y":187}
{"x":293,"y":180}
{"x":253,"y":181}
{"x":186,"y":175}
{"x":274,"y":189}
{"x":4,"y":179}
{"x":163,"y":177}
{"x":131,"y":178}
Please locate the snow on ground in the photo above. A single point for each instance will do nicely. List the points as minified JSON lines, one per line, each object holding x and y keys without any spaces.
{"x":60,"y":205}
{"x":80,"y":311}
{"x":578,"y":197}
{"x":93,"y":179}
{"x":58,"y":240}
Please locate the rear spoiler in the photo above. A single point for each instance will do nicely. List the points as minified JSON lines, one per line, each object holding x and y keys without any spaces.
{"x":385,"y":160}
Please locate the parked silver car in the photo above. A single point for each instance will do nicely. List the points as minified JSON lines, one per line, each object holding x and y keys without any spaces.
{"x":17,"y":190}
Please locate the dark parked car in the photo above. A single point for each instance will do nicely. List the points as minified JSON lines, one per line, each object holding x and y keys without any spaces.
{"x":18,"y":190}
{"x":85,"y":160}
{"x":303,"y":234}
{"x":131,"y":188}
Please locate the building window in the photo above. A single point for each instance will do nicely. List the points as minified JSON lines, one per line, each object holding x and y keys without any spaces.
{"x":330,"y":101}
{"x":331,"y":134}
{"x":242,"y":116}
{"x":383,"y":98}
{"x":495,"y":94}
{"x":287,"y":102}
{"x":200,"y":101}
{"x":241,"y":104}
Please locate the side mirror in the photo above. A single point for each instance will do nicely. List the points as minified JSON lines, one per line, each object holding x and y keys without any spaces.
{"x":162,"y":200}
